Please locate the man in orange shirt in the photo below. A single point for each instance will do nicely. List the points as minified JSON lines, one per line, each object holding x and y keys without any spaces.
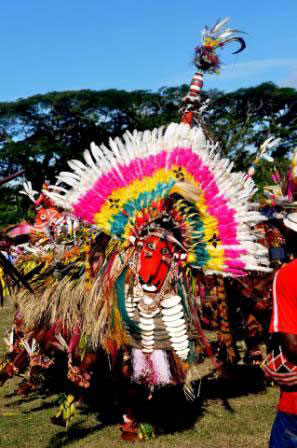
{"x":284,"y":327}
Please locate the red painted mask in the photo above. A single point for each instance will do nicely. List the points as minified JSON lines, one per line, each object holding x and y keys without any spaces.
{"x":155,"y":258}
{"x":46,"y":218}
{"x":47,"y":214}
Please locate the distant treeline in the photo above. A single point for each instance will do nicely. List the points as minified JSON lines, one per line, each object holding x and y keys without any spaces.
{"x":39,"y":134}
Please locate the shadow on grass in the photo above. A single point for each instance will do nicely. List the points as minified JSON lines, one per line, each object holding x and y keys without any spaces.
{"x":37,"y":394}
{"x":236,"y":382}
{"x":169,"y":411}
{"x":23,"y":400}
{"x":41,"y":407}
{"x":75,"y":433}
{"x":173,"y":413}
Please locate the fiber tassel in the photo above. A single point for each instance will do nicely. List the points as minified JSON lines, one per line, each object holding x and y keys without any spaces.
{"x":178,"y":367}
{"x":224,"y":333}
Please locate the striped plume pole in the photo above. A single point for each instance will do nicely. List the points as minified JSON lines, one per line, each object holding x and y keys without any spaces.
{"x":196,"y":85}
{"x":207,"y":61}
{"x":192,"y":98}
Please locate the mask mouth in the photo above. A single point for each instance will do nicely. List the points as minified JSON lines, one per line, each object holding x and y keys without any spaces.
{"x":149,"y":288}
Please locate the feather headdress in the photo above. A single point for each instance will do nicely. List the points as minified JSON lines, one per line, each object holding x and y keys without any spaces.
{"x":124,"y":189}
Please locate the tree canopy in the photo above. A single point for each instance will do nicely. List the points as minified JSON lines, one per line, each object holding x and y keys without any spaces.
{"x":243,"y":119}
{"x":40,"y":133}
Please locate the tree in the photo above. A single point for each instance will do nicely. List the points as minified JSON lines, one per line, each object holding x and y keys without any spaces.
{"x":39,"y":134}
{"x":245,"y":118}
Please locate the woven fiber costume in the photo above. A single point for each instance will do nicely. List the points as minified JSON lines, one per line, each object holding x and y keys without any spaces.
{"x":166,"y":206}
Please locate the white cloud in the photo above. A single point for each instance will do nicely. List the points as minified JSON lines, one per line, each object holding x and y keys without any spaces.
{"x":237,"y":73}
{"x":291,"y":81}
{"x":250,"y":68}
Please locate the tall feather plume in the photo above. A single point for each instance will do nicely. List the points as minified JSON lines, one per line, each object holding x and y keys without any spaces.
{"x":207,"y":60}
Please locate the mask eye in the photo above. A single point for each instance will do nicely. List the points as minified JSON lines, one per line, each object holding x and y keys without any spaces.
{"x":150,"y":246}
{"x":165,"y":251}
{"x":43,"y":217}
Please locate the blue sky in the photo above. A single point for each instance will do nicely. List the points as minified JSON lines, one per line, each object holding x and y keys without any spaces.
{"x":51,"y":45}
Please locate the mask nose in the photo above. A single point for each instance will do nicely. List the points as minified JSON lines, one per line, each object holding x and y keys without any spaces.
{"x":150,"y":280}
{"x":149,"y":269}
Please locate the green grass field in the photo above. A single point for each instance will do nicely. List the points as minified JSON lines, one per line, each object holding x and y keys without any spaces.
{"x":228,"y":415}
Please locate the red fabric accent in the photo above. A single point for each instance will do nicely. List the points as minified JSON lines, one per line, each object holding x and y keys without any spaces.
{"x":288,"y":402}
{"x":284,"y":320}
{"x":284,"y":316}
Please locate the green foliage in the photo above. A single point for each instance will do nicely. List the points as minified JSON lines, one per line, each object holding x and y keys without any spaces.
{"x":12,"y":208}
{"x":40,"y":133}
{"x":243,"y":119}
{"x":265,"y":170}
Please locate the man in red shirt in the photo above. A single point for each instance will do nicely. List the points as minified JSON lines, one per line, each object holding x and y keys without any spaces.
{"x":284,"y":326}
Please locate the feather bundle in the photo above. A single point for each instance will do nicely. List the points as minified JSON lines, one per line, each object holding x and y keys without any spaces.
{"x":121,"y":190}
